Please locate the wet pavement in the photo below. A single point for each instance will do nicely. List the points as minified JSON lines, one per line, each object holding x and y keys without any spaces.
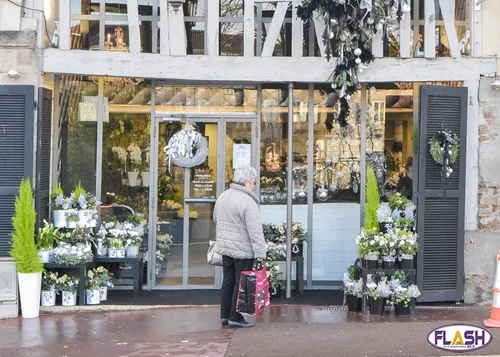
{"x":196,"y":331}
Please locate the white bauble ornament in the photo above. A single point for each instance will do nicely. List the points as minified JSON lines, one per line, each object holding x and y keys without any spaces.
{"x":382,"y":21}
{"x":370,"y":21}
{"x":391,"y":28}
{"x":358,"y":60}
{"x":357,"y":51}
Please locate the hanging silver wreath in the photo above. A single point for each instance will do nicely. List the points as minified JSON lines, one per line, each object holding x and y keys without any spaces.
{"x":186,"y":148}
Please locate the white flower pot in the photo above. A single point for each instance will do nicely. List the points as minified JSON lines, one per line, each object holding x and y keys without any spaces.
{"x":86,"y":218}
{"x":49,"y":298}
{"x":132,"y":251}
{"x":103,"y":293}
{"x":68,"y":298}
{"x":120,"y":253}
{"x":44,"y":255}
{"x":93,"y":297}
{"x":71,"y":224}
{"x":145,"y":178}
{"x":29,"y":291}
{"x":112,"y":253}
{"x":59,"y":218}
{"x":124,"y":181}
{"x":132,"y":178}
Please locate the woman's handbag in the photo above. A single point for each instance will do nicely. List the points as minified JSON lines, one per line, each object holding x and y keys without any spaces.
{"x":213,"y":258}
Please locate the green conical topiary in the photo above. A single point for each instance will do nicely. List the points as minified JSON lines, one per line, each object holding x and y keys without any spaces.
{"x":23,"y":238}
{"x":372,"y":201}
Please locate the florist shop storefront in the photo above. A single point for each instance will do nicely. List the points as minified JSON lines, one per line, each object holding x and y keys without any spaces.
{"x":113,"y":132}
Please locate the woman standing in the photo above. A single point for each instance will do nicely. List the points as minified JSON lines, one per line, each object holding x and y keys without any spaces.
{"x":239,"y":239}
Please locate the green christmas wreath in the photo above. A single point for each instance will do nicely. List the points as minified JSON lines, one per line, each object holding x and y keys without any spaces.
{"x":444,"y":149}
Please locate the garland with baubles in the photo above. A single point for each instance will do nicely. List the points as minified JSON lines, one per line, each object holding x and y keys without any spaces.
{"x":444,"y":149}
{"x":350,"y":27}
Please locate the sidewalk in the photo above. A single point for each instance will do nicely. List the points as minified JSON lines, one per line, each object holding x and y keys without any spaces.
{"x":195,"y":331}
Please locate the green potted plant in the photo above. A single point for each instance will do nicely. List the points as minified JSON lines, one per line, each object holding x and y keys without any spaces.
{"x":60,"y":205}
{"x":116,"y":249}
{"x":50,"y":280}
{"x":353,"y":288}
{"x":104,"y":281}
{"x":68,"y":286}
{"x":72,"y":218}
{"x":24,"y":252}
{"x":45,"y":239}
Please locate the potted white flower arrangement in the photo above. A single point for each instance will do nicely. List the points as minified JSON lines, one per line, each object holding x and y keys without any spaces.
{"x":353,"y":288}
{"x":369,"y":248}
{"x":135,"y":228}
{"x":388,"y":250}
{"x":45,"y":239}
{"x":135,"y":155}
{"x":49,"y":288}
{"x":68,"y":286}
{"x":163,"y":242}
{"x":402,"y":293}
{"x":60,"y":205}
{"x":104,"y":281}
{"x":122,"y":156}
{"x":384,"y":217}
{"x":67,"y":254}
{"x":275,"y":278}
{"x":93,"y":295}
{"x":408,"y":246}
{"x":116,"y":248}
{"x":72,"y":218}
{"x":86,"y":203}
{"x":378,"y":291}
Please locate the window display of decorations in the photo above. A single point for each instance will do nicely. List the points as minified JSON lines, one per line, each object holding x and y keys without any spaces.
{"x":193,"y":214}
{"x":275,"y":236}
{"x":49,"y":288}
{"x":67,"y":254}
{"x":47,"y":236}
{"x":272,"y":189}
{"x":68,"y":286}
{"x":135,"y":156}
{"x":104,"y":282}
{"x":353,"y":289}
{"x":186,"y":148}
{"x":92,"y":284}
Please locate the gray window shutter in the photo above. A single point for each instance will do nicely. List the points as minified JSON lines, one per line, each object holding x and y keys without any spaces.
{"x":16,"y":152}
{"x":440,"y":273}
{"x":44,"y":134}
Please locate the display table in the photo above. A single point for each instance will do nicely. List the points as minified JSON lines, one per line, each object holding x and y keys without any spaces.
{"x":137,"y":264}
{"x":82,"y":273}
{"x":299,"y":273}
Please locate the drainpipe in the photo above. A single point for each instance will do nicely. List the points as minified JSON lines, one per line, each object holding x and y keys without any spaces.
{"x":289,"y":195}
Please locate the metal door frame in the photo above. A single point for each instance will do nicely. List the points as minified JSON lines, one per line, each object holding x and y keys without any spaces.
{"x":221,"y":119}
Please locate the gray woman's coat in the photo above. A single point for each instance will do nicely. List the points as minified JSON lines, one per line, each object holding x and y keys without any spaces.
{"x":239,"y":232}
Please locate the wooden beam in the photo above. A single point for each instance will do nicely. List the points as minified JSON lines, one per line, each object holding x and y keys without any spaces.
{"x":134,"y":35}
{"x":257,"y":69}
{"x":249,"y":28}
{"x":164,"y":30}
{"x":212,"y":29}
{"x":404,"y":35}
{"x":64,"y":25}
{"x":177,"y":32}
{"x":449,"y":24}
{"x":297,"y":31}
{"x":274,"y":30}
{"x":430,"y":30}
{"x":319,"y":28}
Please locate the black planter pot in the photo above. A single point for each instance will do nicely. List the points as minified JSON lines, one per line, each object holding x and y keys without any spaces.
{"x":275,"y":293}
{"x":406,"y":264}
{"x":402,"y":310}
{"x":353,"y":303}
{"x":300,"y":247}
{"x":377,"y":306}
{"x":370,"y":264}
{"x":389,"y":265}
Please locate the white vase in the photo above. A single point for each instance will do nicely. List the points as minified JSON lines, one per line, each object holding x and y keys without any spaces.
{"x":68,"y":298}
{"x":132,"y":251}
{"x":112,"y":253}
{"x":145,"y":178}
{"x":86,"y":218}
{"x":120,"y":253}
{"x":49,"y":298}
{"x":59,"y":218}
{"x":44,"y":255}
{"x":93,"y":297}
{"x":71,"y":224}
{"x":103,"y":293}
{"x":29,"y":291}
{"x":132,"y":178}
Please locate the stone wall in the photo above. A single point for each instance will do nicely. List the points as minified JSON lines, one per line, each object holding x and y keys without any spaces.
{"x":481,"y":246}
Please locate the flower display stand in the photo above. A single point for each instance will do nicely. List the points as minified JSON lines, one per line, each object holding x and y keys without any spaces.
{"x":137,"y":268}
{"x":82,"y":272}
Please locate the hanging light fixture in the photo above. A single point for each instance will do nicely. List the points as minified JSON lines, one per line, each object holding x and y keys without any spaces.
{"x":176,"y":4}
